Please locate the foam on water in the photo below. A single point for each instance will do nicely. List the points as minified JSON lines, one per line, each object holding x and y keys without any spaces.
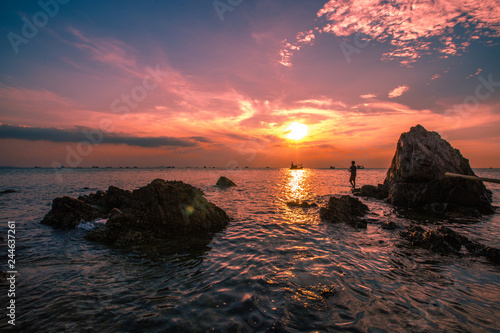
{"x":92,"y":224}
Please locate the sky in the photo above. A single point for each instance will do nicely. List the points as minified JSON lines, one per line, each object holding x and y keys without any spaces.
{"x":219,"y":83}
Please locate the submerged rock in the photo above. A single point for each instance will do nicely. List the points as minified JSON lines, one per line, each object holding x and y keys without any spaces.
{"x":303,"y":204}
{"x":225,"y":182}
{"x":345,"y":209}
{"x":160,"y":210}
{"x":416,"y":176}
{"x":444,"y":240}
{"x":371,"y":191}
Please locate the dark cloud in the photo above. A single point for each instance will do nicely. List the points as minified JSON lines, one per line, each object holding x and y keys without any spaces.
{"x":80,"y":134}
{"x":200,"y":139}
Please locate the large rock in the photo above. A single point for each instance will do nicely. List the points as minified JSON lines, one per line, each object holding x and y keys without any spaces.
{"x":225,"y":182}
{"x":68,"y":212}
{"x":444,"y":240}
{"x":345,"y":209}
{"x":416,"y":177}
{"x":160,"y":210}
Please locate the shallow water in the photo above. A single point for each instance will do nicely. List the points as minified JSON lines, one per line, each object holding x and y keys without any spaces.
{"x":272,"y":268}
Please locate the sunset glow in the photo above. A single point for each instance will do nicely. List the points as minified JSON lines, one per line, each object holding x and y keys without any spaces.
{"x":184,"y":84}
{"x":296,"y":131}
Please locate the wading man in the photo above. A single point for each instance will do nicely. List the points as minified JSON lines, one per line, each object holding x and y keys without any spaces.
{"x":352,"y":170}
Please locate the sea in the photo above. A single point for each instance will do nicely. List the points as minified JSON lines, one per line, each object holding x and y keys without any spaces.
{"x":274,"y":268}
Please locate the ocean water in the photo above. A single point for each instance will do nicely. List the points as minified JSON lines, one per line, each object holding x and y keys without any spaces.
{"x":272,"y":269}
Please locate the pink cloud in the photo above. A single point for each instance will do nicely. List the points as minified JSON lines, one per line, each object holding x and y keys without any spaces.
{"x":302,"y":39}
{"x":408,"y":25}
{"x":35,"y":106}
{"x":107,"y":50}
{"x":398,"y":91}
{"x":479,"y":70}
{"x":322,"y":103}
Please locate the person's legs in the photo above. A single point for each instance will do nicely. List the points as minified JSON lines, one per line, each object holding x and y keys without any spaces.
{"x":352,"y":180}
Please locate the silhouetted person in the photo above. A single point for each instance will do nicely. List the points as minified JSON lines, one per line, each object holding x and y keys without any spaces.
{"x":352,"y":170}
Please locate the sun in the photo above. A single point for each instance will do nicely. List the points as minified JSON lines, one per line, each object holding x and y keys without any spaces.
{"x":296,"y":131}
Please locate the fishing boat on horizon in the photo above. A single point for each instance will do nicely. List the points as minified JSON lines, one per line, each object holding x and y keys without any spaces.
{"x":296,"y":166}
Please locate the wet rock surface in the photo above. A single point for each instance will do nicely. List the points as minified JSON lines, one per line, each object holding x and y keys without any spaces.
{"x":445,"y":241}
{"x":160,"y":210}
{"x":371,"y":191}
{"x":416,"y":177}
{"x":345,"y":209}
{"x":225,"y":182}
{"x":389,"y":225}
{"x":69,"y":212}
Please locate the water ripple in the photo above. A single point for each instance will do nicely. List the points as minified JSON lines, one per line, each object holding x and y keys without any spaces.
{"x":273,"y":267}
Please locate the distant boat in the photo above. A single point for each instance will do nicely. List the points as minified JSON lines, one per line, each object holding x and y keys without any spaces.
{"x":361,"y":166}
{"x":39,"y":167}
{"x":296,"y":166}
{"x":332,"y":167}
{"x":95,"y":167}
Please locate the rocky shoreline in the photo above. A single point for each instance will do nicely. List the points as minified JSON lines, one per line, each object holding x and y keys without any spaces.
{"x":416,"y":180}
{"x":165,"y":210}
{"x":160,"y":210}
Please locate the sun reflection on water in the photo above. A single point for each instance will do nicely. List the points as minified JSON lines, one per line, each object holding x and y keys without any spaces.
{"x":297,"y":185}
{"x":296,"y":188}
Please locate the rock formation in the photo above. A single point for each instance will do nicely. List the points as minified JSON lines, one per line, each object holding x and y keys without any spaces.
{"x":345,"y":209}
{"x":379,"y":192}
{"x":443,"y":240}
{"x":160,"y":210}
{"x":416,"y":176}
{"x":225,"y":182}
{"x":69,"y":212}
